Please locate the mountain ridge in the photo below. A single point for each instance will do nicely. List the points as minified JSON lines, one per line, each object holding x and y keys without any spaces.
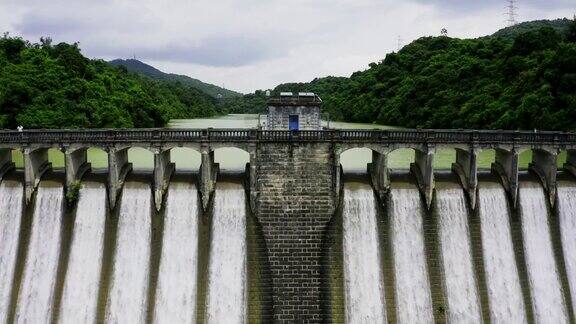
{"x":137,"y":66}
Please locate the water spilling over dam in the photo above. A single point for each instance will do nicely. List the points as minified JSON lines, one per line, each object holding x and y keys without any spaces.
{"x":178,"y":274}
{"x":364,"y":285}
{"x":37,"y":288}
{"x":85,"y":261}
{"x":502,"y":277}
{"x":462,"y":297}
{"x":11,"y":203}
{"x":292,"y":238}
{"x":413,"y":294}
{"x":227,"y":270}
{"x":374,"y":234}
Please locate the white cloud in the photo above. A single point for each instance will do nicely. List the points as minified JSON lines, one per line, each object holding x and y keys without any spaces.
{"x":255,"y":44}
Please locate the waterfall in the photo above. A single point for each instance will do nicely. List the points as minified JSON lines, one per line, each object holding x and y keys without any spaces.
{"x":462,"y":295}
{"x":176,"y":291}
{"x":567,"y":213}
{"x":364,"y":292}
{"x":127,"y":299}
{"x":37,"y":288}
{"x":504,"y":290}
{"x":11,"y":202}
{"x":227,"y":267}
{"x":545,"y":286}
{"x":414,"y":302}
{"x":83,"y":274}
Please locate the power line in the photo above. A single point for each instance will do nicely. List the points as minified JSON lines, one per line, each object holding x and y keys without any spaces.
{"x":511,"y":12}
{"x":400,"y":45}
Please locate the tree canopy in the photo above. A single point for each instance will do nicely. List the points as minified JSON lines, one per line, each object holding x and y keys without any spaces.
{"x":54,"y":86}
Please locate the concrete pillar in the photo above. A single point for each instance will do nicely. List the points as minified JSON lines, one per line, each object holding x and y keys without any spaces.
{"x":252,"y":176}
{"x":208,"y":173}
{"x":35,"y":164}
{"x":6,"y":163}
{"x":118,"y":168}
{"x":163,"y":170}
{"x":544,"y":164}
{"x":423,"y":170}
{"x":570,"y":164}
{"x":506,"y":166}
{"x":378,"y":170}
{"x":466,"y":169}
{"x":76,"y":162}
{"x":336,"y":175}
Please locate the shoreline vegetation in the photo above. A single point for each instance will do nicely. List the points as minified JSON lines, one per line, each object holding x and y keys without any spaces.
{"x":522,"y":77}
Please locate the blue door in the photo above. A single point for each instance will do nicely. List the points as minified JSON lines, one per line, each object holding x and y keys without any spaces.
{"x":293,"y":122}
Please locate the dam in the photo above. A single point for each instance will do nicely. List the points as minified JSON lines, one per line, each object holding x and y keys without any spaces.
{"x":293,"y":238}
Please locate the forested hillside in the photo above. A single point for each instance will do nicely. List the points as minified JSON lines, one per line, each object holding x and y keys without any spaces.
{"x":525,"y":81}
{"x":560,"y":25}
{"x":142,"y":68}
{"x":55,"y":86}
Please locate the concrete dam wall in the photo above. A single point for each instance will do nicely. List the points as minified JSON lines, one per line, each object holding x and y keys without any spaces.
{"x":373,"y":261}
{"x":293,"y":238}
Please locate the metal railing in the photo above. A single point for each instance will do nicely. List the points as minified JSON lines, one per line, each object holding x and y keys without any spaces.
{"x":256,"y":135}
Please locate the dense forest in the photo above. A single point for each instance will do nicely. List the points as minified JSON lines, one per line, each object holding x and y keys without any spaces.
{"x":522,"y":77}
{"x":54,"y":86}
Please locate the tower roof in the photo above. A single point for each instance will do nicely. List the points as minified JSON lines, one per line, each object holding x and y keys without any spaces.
{"x":299,"y":99}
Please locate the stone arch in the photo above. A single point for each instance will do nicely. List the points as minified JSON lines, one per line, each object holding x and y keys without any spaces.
{"x":12,"y":155}
{"x":402,"y":157}
{"x":570,"y":161}
{"x":343,"y":147}
{"x":185,"y":157}
{"x":98,"y":157}
{"x":244,"y":146}
{"x":187,"y":145}
{"x":7,"y":159}
{"x":141,"y":156}
{"x":231,"y":157}
{"x":56,"y":156}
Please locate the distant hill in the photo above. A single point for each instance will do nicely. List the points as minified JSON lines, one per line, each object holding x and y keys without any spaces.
{"x":560,"y":25}
{"x":139,"y":67}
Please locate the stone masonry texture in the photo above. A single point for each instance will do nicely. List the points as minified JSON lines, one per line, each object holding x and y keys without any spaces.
{"x":294,"y":203}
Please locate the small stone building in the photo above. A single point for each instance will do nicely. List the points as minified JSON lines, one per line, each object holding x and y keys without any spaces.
{"x":294,"y":112}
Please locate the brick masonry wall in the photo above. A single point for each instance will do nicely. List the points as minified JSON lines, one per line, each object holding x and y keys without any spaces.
{"x":295,"y":202}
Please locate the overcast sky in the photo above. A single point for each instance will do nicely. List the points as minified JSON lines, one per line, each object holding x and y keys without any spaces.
{"x":257,"y":44}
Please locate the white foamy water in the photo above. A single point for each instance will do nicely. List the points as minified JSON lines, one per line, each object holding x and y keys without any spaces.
{"x":567,"y":211}
{"x":127,"y":298}
{"x":547,"y":300}
{"x":176,"y":291}
{"x":504,"y":290}
{"x":227,"y":270}
{"x":85,"y":263}
{"x":37,"y":288}
{"x":462,"y":295}
{"x":11,"y":202}
{"x":414,"y":303}
{"x":364,"y":293}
